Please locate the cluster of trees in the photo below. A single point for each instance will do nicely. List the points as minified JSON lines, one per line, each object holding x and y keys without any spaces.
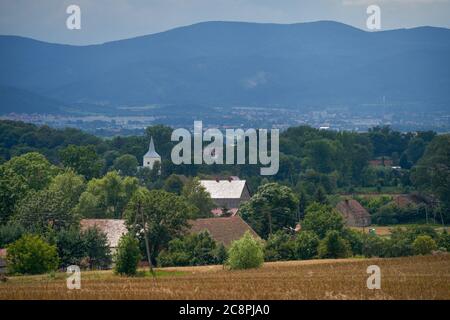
{"x":43,"y":199}
{"x":33,"y":253}
{"x":311,"y":161}
{"x":50,"y":179}
{"x":324,"y":236}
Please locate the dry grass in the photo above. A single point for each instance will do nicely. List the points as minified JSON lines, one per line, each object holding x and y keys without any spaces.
{"x":423,"y":277}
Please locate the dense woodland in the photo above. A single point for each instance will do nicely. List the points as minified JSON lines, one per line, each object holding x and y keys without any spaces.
{"x":51,"y":178}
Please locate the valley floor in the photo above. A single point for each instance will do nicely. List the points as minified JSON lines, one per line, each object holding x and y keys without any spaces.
{"x":421,"y":277}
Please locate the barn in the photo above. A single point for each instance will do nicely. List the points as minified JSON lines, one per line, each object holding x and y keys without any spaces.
{"x":353,"y":213}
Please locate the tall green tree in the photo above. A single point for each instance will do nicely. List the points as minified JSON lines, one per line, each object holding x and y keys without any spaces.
{"x":106,"y":197}
{"x":83,"y":159}
{"x":273,"y":207}
{"x":126,"y":165}
{"x":174,"y":184}
{"x":20,"y":175}
{"x":321,"y":218}
{"x":432,"y":172}
{"x":158,"y":215}
{"x":198,"y":197}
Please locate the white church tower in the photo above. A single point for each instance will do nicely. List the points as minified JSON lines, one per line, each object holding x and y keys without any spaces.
{"x":151,"y":157}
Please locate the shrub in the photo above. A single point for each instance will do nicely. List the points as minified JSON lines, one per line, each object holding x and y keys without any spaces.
{"x":424,"y":245}
{"x":190,"y":250}
{"x":279,"y":246}
{"x":246,"y":253}
{"x":372,"y":246}
{"x":128,"y":256}
{"x":354,"y":239}
{"x":71,"y":247}
{"x":321,"y":219}
{"x":333,"y":246}
{"x":398,"y":247}
{"x":444,"y":240}
{"x":305,"y":245}
{"x":31,"y":255}
{"x":97,"y":248}
{"x":221,"y":254}
{"x":10,"y":233}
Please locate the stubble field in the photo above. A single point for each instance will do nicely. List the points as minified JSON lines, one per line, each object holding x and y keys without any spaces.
{"x":422,"y":277}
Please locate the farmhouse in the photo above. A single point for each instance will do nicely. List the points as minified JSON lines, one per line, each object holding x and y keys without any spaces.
{"x":229,"y":194}
{"x":222,"y":229}
{"x":113,"y":228}
{"x":354,"y":213}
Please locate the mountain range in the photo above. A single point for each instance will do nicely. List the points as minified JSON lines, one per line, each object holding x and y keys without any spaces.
{"x":230,"y":64}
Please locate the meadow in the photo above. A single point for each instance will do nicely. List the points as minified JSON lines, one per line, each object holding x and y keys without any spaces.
{"x":419,"y":277}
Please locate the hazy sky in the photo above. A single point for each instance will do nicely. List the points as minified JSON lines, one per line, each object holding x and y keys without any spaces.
{"x":106,"y":20}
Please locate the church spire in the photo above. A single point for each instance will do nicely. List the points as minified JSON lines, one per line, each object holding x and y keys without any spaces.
{"x":151,"y":153}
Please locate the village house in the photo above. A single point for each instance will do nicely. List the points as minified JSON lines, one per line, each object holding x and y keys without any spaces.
{"x":222,"y":229}
{"x":229,"y":194}
{"x":353,"y":213}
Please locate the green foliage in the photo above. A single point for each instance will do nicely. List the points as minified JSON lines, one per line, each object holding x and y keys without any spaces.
{"x":373,"y":246}
{"x":333,"y":246}
{"x":444,"y":241}
{"x":174,"y":184}
{"x":279,"y":246}
{"x":69,"y":185}
{"x":96,"y":248}
{"x":271,"y":208}
{"x":83,"y":159}
{"x":165,"y":215}
{"x":106,"y":197}
{"x":354,"y":239}
{"x":71,"y":247}
{"x":196,"y":195}
{"x":305,"y":245}
{"x":31,"y":255}
{"x":126,"y":165}
{"x":128,"y":256}
{"x":246,"y":253}
{"x":432,"y":172}
{"x":191,"y":250}
{"x":424,"y":245}
{"x":44,"y":210}
{"x":321,"y":219}
{"x":20,"y":175}
{"x":9,"y":233}
{"x":374,"y":203}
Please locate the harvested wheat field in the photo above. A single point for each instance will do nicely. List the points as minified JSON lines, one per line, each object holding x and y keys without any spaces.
{"x":422,"y":277}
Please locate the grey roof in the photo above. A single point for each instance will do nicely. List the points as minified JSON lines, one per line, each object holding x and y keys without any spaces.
{"x":113,"y":228}
{"x":224,"y":189}
{"x":151,"y":153}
